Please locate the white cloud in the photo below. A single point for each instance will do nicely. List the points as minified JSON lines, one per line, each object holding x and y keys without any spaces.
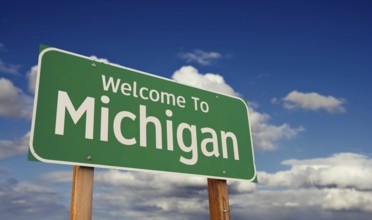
{"x":31,"y":76}
{"x":13,"y":148}
{"x":149,"y":195}
{"x":131,"y":179}
{"x":308,"y":203}
{"x":58,"y":177}
{"x":347,"y":199}
{"x":190,"y":76}
{"x":200,"y":56}
{"x":30,"y":201}
{"x":313,"y":101}
{"x":311,"y":188}
{"x":163,"y":196}
{"x":9,"y":68}
{"x":343,"y":170}
{"x":275,"y":204}
{"x":265,"y":135}
{"x":13,"y":102}
{"x":139,"y":179}
{"x":143,"y":195}
{"x":159,"y":195}
{"x":102,"y":60}
{"x":239,"y":187}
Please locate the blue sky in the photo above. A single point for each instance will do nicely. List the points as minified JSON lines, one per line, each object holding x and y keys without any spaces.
{"x":304,"y":67}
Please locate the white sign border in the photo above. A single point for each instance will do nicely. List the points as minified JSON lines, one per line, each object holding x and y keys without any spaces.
{"x":32,"y":150}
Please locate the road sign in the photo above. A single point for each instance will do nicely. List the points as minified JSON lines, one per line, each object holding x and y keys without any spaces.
{"x":91,"y":113}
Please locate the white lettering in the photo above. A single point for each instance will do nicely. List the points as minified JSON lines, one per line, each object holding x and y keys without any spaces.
{"x":181,"y":101}
{"x":141,"y":93}
{"x":204,"y":107}
{"x":126,"y":87}
{"x":186,"y":137}
{"x":195,"y":103}
{"x":169,"y":97}
{"x":144,"y":120}
{"x":104,"y":118}
{"x":193,"y":148}
{"x":135,"y":89}
{"x":117,"y":127}
{"x":63,"y":103}
{"x":156,"y":98}
{"x":224,"y":136}
{"x":110,"y":83}
{"x":169,"y":113}
{"x":213,"y":140}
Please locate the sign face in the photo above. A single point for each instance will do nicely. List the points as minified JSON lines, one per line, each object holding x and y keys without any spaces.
{"x":91,"y":113}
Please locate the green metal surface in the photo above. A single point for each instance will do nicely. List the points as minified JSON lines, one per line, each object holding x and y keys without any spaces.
{"x":81,"y":78}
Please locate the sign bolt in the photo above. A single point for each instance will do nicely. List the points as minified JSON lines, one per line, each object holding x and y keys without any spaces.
{"x":89,"y":157}
{"x":217,"y":97}
{"x":93,"y":65}
{"x":224,"y":171}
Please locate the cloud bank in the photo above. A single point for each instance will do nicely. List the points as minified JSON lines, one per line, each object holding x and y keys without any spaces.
{"x":31,"y":76}
{"x":314,"y":102}
{"x":9,"y":68}
{"x":317,"y":188}
{"x":339,"y":171}
{"x":13,"y":102}
{"x":13,"y":148}
{"x":266,"y":135}
{"x":334,"y":187}
{"x":25,"y":201}
{"x":189,"y":75}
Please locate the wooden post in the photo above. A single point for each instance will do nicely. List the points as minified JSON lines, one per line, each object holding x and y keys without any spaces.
{"x":218,"y":200}
{"x":82,"y":193}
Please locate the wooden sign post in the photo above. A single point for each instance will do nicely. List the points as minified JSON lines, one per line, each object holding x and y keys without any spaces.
{"x":218,"y":199}
{"x":82,"y":193}
{"x":61,"y":103}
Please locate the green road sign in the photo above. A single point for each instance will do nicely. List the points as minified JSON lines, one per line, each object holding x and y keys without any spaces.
{"x":91,"y":113}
